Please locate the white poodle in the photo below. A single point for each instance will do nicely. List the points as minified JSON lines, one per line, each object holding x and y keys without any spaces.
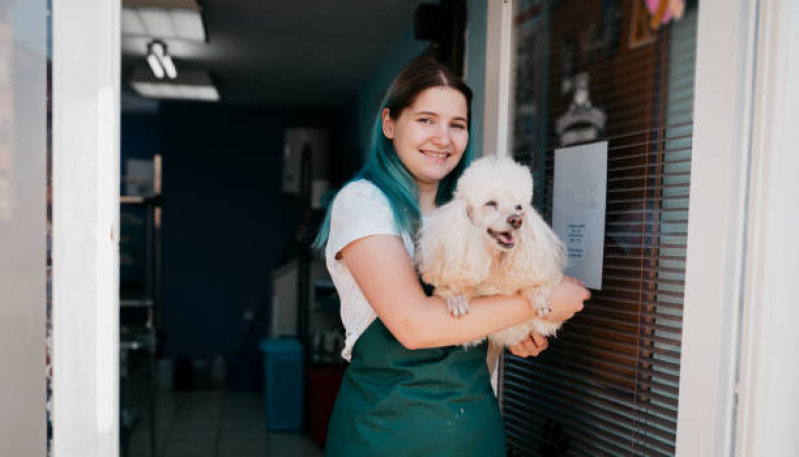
{"x":489,"y":240}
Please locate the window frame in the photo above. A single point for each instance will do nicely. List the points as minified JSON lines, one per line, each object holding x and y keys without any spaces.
{"x":723,"y":101}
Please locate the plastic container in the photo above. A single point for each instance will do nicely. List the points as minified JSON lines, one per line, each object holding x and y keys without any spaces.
{"x":283,"y":370}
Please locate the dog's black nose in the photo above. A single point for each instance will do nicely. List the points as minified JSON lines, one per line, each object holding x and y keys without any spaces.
{"x":515,"y":220}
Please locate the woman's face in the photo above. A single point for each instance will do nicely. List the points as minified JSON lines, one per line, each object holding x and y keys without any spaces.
{"x":431,"y":134}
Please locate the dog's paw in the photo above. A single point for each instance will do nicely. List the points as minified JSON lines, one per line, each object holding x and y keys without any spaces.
{"x":458,"y":305}
{"x":541,"y":304}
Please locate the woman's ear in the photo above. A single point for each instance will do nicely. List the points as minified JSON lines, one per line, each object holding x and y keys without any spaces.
{"x":387,"y":123}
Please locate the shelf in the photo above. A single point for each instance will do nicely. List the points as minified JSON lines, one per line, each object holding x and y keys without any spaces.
{"x":137,"y":303}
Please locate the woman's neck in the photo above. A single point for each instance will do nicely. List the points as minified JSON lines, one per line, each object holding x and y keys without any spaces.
{"x":427,"y":197}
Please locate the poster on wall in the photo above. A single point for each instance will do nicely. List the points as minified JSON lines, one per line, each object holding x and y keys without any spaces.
{"x":578,"y":208}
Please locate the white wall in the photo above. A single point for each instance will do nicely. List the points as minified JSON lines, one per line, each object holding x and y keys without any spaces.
{"x":23,"y":283}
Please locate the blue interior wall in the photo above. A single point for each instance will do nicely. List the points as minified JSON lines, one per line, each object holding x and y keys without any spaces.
{"x":226,"y":223}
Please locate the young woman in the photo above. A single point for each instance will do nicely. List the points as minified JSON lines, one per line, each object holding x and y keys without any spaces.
{"x":410,"y":388}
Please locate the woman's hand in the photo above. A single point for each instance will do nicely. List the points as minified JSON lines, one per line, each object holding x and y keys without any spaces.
{"x":530,"y":346}
{"x":567,"y":299}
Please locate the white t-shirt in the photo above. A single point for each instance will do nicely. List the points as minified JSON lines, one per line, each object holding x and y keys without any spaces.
{"x":359,"y":210}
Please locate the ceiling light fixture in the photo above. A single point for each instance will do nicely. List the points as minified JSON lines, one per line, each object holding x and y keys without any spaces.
{"x":164,"y":19}
{"x":191,"y":85}
{"x":155,"y":65}
{"x":160,"y":61}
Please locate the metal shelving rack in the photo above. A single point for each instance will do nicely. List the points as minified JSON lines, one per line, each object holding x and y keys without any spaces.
{"x":143,"y":336}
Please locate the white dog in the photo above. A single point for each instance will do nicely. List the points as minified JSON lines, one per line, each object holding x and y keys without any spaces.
{"x":489,"y":240}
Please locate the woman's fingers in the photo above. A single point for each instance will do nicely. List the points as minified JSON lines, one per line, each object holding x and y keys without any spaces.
{"x":530,"y":346}
{"x":539,"y":340}
{"x":521,"y":349}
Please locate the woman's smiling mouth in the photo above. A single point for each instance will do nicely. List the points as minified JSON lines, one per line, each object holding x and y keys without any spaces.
{"x":435,"y":154}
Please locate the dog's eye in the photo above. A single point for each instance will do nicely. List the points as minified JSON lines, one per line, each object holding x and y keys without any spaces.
{"x":491,"y":203}
{"x":518,"y":207}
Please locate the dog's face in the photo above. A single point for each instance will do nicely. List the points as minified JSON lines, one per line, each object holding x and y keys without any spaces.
{"x":497,"y":193}
{"x":500,"y":217}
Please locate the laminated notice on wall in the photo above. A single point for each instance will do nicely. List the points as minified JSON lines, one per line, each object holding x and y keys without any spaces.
{"x":578,"y":209}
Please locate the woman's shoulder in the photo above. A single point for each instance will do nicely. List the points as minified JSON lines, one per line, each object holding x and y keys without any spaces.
{"x":360,"y":209}
{"x":362,"y":190}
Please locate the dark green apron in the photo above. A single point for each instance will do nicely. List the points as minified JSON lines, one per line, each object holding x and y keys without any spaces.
{"x":425,"y":402}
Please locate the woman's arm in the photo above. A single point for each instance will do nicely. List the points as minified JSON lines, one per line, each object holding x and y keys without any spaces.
{"x":385,"y":274}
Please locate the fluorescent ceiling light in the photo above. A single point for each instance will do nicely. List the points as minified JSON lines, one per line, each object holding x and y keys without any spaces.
{"x":155,"y":66}
{"x":169,"y":67}
{"x":190,"y":85}
{"x":161,"y":60}
{"x":164,"y":19}
{"x":176,"y":91}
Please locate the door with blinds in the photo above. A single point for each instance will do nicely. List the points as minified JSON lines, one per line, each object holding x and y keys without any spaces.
{"x":608,"y":385}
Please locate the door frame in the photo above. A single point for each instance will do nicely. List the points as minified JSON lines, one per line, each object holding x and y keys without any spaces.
{"x":85,"y":313}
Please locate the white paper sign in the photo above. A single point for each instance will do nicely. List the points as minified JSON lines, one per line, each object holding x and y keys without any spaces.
{"x":578,"y":209}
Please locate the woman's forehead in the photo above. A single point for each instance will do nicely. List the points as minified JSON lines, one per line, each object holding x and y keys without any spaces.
{"x":441,"y":101}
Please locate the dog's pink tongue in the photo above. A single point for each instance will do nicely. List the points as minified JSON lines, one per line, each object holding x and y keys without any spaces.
{"x":505,"y":237}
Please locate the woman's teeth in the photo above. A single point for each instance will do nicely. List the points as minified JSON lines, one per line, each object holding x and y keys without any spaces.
{"x":437,"y":155}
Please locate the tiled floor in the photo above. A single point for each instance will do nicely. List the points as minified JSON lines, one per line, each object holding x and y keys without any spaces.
{"x":215,"y":424}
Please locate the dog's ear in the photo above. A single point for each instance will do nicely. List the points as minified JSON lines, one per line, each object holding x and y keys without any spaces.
{"x":450,"y":250}
{"x":540,"y":254}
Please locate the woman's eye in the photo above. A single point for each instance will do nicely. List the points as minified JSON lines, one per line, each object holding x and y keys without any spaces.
{"x":426,"y":120}
{"x":459,"y":126}
{"x":491,"y":203}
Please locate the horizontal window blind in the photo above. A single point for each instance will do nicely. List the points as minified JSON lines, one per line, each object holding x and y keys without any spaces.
{"x":608,"y":384}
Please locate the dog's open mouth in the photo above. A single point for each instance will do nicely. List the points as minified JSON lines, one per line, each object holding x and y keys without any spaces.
{"x":504,"y":239}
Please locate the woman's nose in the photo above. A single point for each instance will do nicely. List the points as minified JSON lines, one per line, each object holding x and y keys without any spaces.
{"x":515,"y":220}
{"x":441,"y":137}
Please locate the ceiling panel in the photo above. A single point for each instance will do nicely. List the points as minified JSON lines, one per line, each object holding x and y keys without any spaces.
{"x":294,"y":52}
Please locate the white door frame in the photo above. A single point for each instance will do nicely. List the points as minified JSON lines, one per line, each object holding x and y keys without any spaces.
{"x":768,"y":409}
{"x":496,"y":101}
{"x":86,"y":116}
{"x":725,"y":65}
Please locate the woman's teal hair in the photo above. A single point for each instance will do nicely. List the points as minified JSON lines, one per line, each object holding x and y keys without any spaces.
{"x":383,"y":166}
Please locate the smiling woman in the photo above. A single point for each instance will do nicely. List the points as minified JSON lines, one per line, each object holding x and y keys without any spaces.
{"x":411,"y":388}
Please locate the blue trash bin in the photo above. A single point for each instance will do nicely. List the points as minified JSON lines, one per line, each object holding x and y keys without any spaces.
{"x":283,"y":369}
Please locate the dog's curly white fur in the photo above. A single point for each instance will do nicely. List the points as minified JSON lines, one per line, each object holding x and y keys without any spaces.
{"x":489,"y":240}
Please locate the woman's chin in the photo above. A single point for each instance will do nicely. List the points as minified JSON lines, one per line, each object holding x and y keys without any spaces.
{"x":433,"y":176}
